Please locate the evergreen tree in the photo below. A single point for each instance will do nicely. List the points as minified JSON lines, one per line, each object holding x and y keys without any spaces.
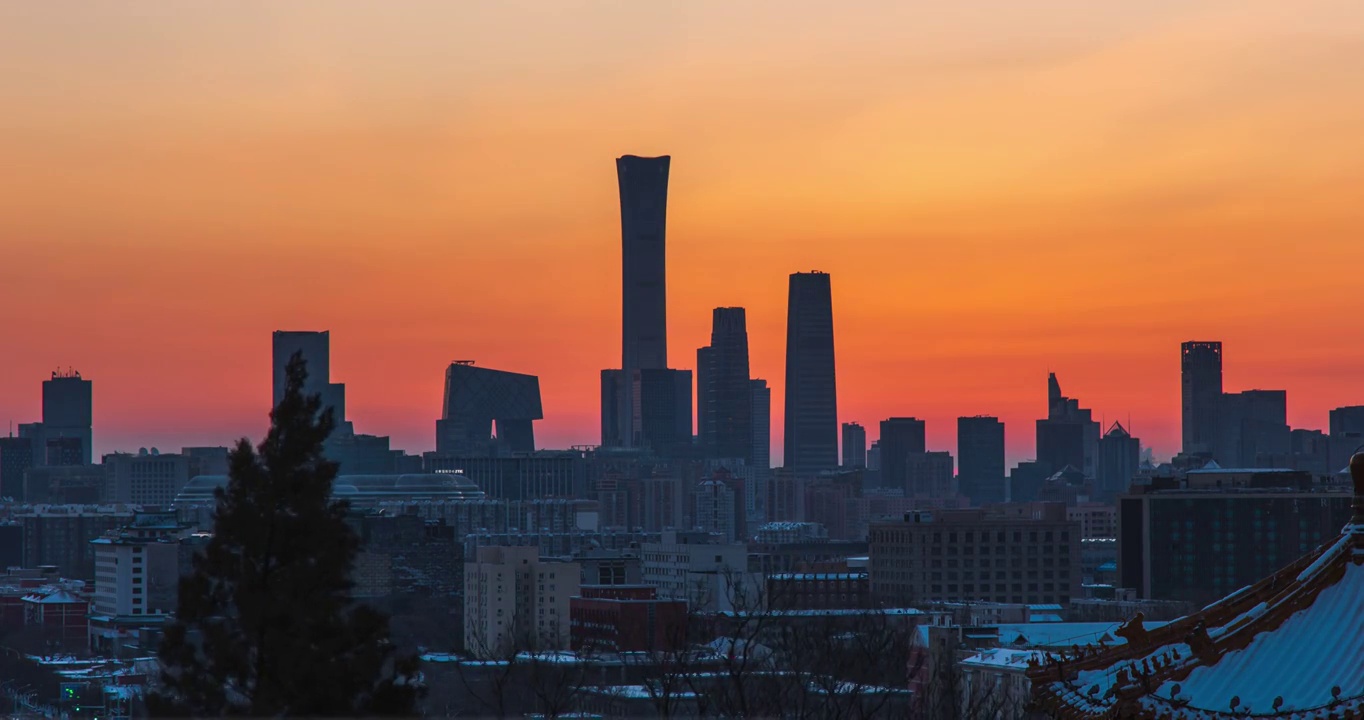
{"x":266,"y":625}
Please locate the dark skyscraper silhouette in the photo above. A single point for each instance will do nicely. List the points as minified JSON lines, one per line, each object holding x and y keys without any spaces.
{"x":1347,"y":420}
{"x":900,"y":437}
{"x":316,"y":349}
{"x":854,"y":446}
{"x":68,"y":414}
{"x":1069,"y":435}
{"x":1253,"y":428}
{"x":1201,"y":393}
{"x":644,"y":311}
{"x":811,"y":440}
{"x":478,"y":399}
{"x":643,"y":221}
{"x":726,"y":410}
{"x":1119,"y":458}
{"x":980,"y":459}
{"x":761,"y":396}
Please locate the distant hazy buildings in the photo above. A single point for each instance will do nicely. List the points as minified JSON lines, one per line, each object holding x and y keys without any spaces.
{"x":1346,"y":420}
{"x":929,"y":475}
{"x":761,"y":395}
{"x":1253,"y":428}
{"x":1201,"y":391}
{"x":64,"y":437}
{"x":725,"y":417}
{"x":716,"y":509}
{"x":147,"y":478}
{"x":478,"y":401}
{"x":1119,"y":458}
{"x":16,"y":457}
{"x":1069,"y":436}
{"x":854,"y":446}
{"x":900,"y":437}
{"x":811,"y":439}
{"x":980,"y":459}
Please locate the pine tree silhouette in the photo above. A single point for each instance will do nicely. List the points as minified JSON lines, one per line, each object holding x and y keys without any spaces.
{"x":266,"y":624}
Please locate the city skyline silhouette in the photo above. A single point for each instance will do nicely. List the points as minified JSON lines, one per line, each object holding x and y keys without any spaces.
{"x":990,"y":207}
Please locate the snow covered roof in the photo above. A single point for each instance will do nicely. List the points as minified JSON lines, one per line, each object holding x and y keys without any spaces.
{"x":1289,"y":645}
{"x":1002,"y":659}
{"x":1061,"y":635}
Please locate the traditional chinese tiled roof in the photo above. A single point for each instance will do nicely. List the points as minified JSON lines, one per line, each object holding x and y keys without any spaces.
{"x":1291,"y":645}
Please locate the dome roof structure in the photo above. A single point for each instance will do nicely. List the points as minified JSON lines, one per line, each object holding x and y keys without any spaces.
{"x":358,"y":488}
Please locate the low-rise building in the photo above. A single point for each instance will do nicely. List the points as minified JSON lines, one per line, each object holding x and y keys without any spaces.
{"x":626,"y":618}
{"x":693,"y":566}
{"x":806,"y":591}
{"x":1014,"y":553}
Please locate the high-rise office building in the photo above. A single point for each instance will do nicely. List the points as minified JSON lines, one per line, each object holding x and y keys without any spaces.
{"x":661,"y":410}
{"x":854,"y":446}
{"x":1069,"y":435}
{"x":315,"y":347}
{"x":1201,"y":391}
{"x":16,"y":457}
{"x":761,"y":396}
{"x":476,"y":401}
{"x":1119,"y":458}
{"x":900,"y":436}
{"x":726,"y":412}
{"x":703,"y":415}
{"x":980,"y":459}
{"x":1253,"y":428}
{"x":929,"y":475}
{"x":811,"y":438}
{"x":716,"y":509}
{"x":1346,"y":420}
{"x":68,"y":412}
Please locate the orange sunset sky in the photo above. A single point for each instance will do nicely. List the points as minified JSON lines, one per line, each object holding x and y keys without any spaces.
{"x":998,"y":189}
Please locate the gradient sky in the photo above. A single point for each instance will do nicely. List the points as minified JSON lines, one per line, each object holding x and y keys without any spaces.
{"x":998,"y":188}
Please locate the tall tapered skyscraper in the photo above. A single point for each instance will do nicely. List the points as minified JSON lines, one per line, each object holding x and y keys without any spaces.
{"x":626,"y":409}
{"x":811,"y":440}
{"x":1201,"y":391}
{"x":643,"y":220}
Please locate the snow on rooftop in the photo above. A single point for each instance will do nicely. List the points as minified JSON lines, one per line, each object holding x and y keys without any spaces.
{"x":1003,"y":658}
{"x":1063,"y":634}
{"x":1315,"y":649}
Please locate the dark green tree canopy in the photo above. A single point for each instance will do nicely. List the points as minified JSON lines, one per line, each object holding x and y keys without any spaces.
{"x":266,"y":625}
